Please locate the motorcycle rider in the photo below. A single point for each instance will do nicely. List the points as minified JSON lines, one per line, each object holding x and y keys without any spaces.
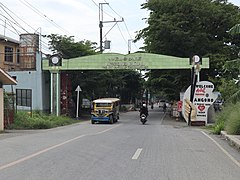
{"x":144,"y":110}
{"x":164,"y":107}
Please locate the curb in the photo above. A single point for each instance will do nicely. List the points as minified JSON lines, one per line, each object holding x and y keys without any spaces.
{"x":232,"y":139}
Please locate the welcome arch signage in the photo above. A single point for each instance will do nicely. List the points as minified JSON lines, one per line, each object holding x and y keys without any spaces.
{"x":111,"y":61}
{"x":120,"y":61}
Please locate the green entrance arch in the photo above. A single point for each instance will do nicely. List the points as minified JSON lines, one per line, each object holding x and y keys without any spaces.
{"x":111,"y":61}
{"x":120,"y":61}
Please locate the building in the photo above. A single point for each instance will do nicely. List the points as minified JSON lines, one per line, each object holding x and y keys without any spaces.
{"x":23,"y":60}
{"x":9,"y":54}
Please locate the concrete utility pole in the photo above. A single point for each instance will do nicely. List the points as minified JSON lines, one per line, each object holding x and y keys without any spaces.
{"x":101,"y":23}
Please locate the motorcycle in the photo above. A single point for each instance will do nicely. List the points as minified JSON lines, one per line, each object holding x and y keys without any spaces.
{"x":143,"y":118}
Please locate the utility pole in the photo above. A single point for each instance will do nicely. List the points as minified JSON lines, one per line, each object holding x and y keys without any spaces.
{"x":101,"y":23}
{"x":129,"y":46}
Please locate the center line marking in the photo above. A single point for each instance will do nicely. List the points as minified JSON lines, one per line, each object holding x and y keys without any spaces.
{"x":137,"y":153}
{"x":51,"y":148}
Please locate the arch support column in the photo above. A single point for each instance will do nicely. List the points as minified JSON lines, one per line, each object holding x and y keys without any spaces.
{"x":55,"y":92}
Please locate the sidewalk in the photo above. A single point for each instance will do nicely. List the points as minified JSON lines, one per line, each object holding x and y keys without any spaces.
{"x":233,"y":139}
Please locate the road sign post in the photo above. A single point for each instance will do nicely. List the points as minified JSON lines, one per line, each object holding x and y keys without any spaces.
{"x":78,"y":89}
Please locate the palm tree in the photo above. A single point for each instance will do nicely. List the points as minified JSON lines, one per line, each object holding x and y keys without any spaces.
{"x":235,"y":30}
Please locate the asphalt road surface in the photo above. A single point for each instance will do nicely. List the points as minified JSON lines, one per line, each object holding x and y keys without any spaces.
{"x":162,"y":149}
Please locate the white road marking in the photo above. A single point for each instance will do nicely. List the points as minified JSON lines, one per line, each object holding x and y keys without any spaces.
{"x":50,"y":148}
{"x":225,"y":152}
{"x":164,"y":115}
{"x":137,"y":153}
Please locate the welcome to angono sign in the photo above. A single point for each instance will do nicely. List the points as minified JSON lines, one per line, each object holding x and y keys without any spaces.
{"x":108,"y":61}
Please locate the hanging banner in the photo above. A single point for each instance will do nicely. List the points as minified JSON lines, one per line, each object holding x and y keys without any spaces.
{"x":203,"y":99}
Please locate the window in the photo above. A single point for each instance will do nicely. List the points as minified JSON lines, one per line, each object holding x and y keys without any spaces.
{"x":24,"y":97}
{"x":8,"y":54}
{"x":103,"y":104}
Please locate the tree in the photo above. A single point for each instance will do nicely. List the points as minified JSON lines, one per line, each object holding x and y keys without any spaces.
{"x":69,"y":48}
{"x":126,"y":84}
{"x":184,"y":28}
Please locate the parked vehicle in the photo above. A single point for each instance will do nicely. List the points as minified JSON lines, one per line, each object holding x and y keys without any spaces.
{"x":105,"y":110}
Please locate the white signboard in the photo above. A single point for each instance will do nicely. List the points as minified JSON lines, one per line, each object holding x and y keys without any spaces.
{"x":202,"y":100}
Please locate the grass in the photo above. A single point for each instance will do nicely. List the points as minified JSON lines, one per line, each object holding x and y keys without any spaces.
{"x":38,"y":120}
{"x":228,"y":119}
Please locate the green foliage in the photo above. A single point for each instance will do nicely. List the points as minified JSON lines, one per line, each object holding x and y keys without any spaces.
{"x":233,"y":120}
{"x":126,"y":84}
{"x":168,"y":83}
{"x":221,"y":118}
{"x":228,"y":119}
{"x":227,"y":88}
{"x":69,"y":48}
{"x":24,"y":120}
{"x":218,"y":127}
{"x":183,"y":28}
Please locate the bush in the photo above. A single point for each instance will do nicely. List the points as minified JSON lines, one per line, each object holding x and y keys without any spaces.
{"x":220,"y":120}
{"x":233,"y":120}
{"x":218,"y":127}
{"x":228,"y":119}
{"x":38,"y":120}
{"x":41,"y":124}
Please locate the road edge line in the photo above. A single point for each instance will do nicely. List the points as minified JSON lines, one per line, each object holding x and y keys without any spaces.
{"x":223,"y":150}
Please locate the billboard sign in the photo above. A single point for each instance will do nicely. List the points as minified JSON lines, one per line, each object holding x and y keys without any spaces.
{"x":203,"y":99}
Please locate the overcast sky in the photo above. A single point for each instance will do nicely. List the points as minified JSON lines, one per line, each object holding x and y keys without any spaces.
{"x":76,"y":17}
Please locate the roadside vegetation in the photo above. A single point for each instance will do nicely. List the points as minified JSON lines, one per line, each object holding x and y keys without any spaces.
{"x":228,"y":119}
{"x":38,"y":120}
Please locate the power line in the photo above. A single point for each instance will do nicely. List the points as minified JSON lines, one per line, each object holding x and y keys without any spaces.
{"x":122,"y":34}
{"x":43,"y":16}
{"x":104,"y":11}
{"x":124,"y":23}
{"x":113,"y":9}
{"x":3,"y":25}
{"x":4,"y":9}
{"x":129,"y":34}
{"x":12,"y":23}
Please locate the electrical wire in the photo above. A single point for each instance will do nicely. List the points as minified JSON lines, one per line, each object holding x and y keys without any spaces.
{"x":104,"y":11}
{"x":43,"y":16}
{"x":123,"y":21}
{"x":122,"y":34}
{"x":3,"y":7}
{"x":12,"y":21}
{"x":44,"y":45}
{"x":113,"y":9}
{"x":129,"y":34}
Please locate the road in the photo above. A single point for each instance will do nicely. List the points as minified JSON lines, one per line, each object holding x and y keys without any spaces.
{"x":127,"y":150}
